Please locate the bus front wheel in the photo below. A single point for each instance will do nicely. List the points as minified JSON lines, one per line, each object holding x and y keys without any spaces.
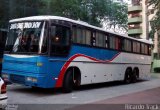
{"x":68,"y":82}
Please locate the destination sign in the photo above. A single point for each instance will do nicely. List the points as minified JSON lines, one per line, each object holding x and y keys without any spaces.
{"x":25,"y":25}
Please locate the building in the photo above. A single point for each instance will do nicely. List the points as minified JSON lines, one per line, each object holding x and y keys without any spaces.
{"x":139,"y":16}
{"x":138,"y":19}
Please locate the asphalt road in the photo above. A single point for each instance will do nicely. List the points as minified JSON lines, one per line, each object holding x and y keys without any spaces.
{"x":26,"y":96}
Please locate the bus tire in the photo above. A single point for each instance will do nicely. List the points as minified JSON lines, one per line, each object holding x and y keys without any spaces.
{"x":68,"y":82}
{"x":76,"y":77}
{"x":127,"y":78}
{"x":35,"y":88}
{"x":135,"y":75}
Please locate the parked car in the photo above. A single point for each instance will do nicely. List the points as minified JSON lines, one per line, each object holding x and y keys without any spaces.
{"x":3,"y":94}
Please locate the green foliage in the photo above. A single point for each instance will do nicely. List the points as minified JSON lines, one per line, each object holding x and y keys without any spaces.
{"x":4,"y":15}
{"x":155,"y":23}
{"x":151,"y":34}
{"x":119,"y":15}
{"x":91,"y":11}
{"x":156,"y":3}
{"x":10,"y":9}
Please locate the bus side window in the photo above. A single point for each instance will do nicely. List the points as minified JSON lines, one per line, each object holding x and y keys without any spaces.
{"x":118,"y":43}
{"x":149,"y":49}
{"x":126,"y":45}
{"x":136,"y":47}
{"x":142,"y":48}
{"x":123,"y":46}
{"x":146,"y":49}
{"x":53,"y":29}
{"x":93,"y":39}
{"x":60,"y":40}
{"x":79,"y":35}
{"x":88,"y":37}
{"x":74,"y":34}
{"x":100,"y":39}
{"x":112,"y":42}
{"x":106,"y":41}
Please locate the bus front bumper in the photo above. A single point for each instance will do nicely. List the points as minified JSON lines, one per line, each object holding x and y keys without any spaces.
{"x":32,"y":81}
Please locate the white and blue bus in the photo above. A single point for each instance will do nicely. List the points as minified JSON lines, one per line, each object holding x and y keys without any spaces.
{"x":52,"y":51}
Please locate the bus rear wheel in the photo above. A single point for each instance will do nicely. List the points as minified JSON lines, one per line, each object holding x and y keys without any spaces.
{"x":128,"y":76}
{"x":68,"y":82}
{"x":134,"y":76}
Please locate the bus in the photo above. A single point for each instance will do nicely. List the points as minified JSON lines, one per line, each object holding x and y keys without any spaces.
{"x":58,"y":52}
{"x":3,"y":35}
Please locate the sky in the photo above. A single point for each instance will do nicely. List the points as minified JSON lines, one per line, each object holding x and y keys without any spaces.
{"x":127,"y":1}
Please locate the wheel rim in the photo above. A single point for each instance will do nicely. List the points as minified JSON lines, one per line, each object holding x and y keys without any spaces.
{"x":135,"y":76}
{"x":128,"y":78}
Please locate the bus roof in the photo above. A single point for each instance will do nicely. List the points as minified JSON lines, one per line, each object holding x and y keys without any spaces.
{"x":34,"y":18}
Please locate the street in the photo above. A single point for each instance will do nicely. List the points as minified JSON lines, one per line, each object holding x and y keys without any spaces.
{"x":89,"y":94}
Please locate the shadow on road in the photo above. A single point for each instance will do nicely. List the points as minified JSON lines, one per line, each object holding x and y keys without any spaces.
{"x":103,"y":85}
{"x":58,"y":91}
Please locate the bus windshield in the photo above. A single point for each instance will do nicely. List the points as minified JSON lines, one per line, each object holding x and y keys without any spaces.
{"x":26,"y":37}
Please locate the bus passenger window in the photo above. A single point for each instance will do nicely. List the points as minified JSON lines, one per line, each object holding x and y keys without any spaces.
{"x":106,"y":41}
{"x":100,"y":40}
{"x":142,"y":48}
{"x":93,"y":39}
{"x":74,"y":35}
{"x":117,"y":43}
{"x":112,"y":42}
{"x":81,"y":35}
{"x":88,"y":37}
{"x":60,"y":37}
{"x":136,"y":47}
{"x":126,"y":45}
{"x":149,"y":50}
{"x":146,"y":49}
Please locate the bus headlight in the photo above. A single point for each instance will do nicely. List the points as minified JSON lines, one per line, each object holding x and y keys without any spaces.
{"x":34,"y":80}
{"x":5,"y":76}
{"x":30,"y":79}
{"x":39,"y":64}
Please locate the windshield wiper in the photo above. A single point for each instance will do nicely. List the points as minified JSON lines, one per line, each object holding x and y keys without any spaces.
{"x":16,"y":48}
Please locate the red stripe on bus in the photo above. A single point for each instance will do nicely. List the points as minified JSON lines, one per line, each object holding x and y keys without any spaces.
{"x":64,"y":68}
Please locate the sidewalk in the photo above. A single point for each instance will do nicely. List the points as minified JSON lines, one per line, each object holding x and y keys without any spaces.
{"x":151,"y":96}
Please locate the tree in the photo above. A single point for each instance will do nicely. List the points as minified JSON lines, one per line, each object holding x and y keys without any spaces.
{"x":10,"y":9}
{"x":156,"y":3}
{"x":4,"y":14}
{"x":23,"y":8}
{"x":118,"y":16}
{"x":92,"y":11}
{"x":155,"y":23}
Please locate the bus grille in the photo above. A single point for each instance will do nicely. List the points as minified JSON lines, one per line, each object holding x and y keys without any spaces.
{"x":17,"y":79}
